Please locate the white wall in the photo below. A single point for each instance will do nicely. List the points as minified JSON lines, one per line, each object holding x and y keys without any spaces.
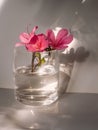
{"x":79,"y":15}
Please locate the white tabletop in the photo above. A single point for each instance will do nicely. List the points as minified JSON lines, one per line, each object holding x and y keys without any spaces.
{"x":73,"y":111}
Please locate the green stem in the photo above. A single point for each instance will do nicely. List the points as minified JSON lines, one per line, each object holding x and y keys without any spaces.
{"x":32,"y":64}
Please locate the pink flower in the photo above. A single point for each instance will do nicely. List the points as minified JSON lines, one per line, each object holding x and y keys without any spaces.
{"x":60,"y":41}
{"x":37,"y":44}
{"x":25,"y":38}
{"x":33,"y":42}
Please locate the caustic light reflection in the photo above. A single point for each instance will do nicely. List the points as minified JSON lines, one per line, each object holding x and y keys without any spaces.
{"x":2,"y":3}
{"x":83,"y":1}
{"x":51,"y":86}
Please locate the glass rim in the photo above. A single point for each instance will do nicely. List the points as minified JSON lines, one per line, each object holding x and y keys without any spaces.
{"x":46,"y":51}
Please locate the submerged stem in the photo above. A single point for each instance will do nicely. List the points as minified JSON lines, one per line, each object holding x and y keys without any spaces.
{"x":49,"y":57}
{"x":36,"y":61}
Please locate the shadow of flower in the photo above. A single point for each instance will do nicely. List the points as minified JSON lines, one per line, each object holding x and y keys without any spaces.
{"x":79,"y":55}
{"x":66,"y":65}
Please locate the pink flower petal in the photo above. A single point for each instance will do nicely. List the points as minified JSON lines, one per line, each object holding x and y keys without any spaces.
{"x":42,"y":42}
{"x":60,"y":47}
{"x":24,"y":37}
{"x":51,"y":36}
{"x":30,"y":48}
{"x":67,"y":40}
{"x":61,"y":34}
{"x":39,"y":44}
{"x":33,"y":39}
{"x":33,"y":31}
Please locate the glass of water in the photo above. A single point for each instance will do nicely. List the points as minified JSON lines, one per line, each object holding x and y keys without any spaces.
{"x":36,"y":76}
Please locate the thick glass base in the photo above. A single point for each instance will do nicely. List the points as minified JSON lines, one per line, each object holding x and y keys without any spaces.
{"x":35,"y":99}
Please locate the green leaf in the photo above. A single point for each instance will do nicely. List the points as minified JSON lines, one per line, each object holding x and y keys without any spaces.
{"x":43,"y":60}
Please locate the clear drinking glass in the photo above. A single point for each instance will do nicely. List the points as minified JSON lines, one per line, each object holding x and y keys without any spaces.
{"x":36,"y":76}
